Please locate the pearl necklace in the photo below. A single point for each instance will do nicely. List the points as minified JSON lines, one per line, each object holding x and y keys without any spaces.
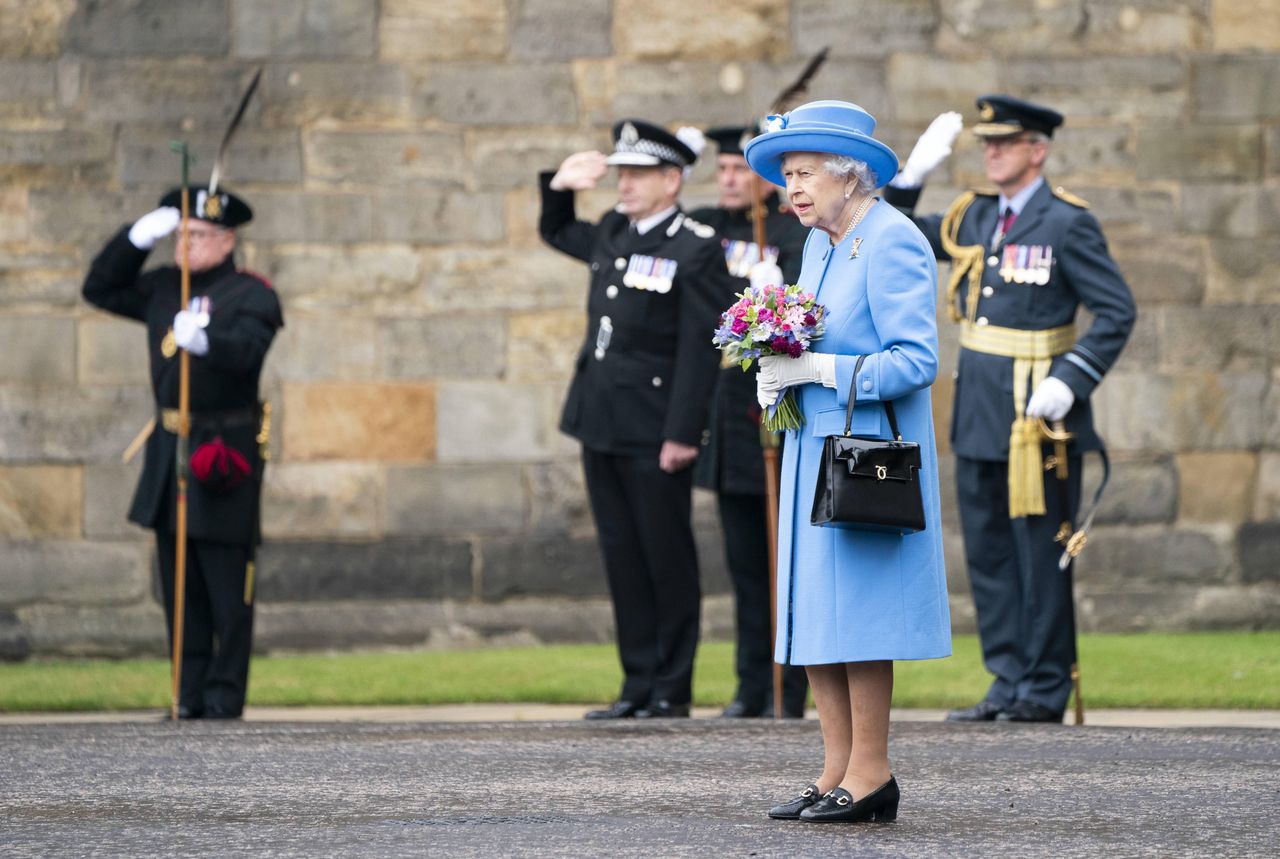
{"x":858,"y":215}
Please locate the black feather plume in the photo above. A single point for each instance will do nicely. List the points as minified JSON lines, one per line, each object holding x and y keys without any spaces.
{"x":220,"y":160}
{"x":790,"y":96}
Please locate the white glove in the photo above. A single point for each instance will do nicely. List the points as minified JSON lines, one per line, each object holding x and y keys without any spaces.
{"x":188,"y":334}
{"x":765,"y":274}
{"x":580,"y":172}
{"x":153,"y":226}
{"x":1052,"y":400}
{"x":778,"y":372}
{"x":930,"y":150}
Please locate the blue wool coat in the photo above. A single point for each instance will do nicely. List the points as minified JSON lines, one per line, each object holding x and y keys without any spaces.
{"x":849,"y":596}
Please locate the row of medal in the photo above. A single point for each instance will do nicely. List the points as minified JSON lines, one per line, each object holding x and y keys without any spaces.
{"x":1027,"y":264}
{"x":202,"y":307}
{"x":651,"y":274}
{"x":741,"y":256}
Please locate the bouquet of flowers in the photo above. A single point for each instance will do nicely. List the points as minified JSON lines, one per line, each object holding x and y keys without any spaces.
{"x":771,"y":320}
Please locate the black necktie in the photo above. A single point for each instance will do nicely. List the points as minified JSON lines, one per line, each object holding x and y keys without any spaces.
{"x":1006,"y":221}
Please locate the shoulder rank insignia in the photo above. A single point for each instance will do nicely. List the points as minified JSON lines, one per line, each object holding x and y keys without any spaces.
{"x":1067,"y":197}
{"x":701,"y":230}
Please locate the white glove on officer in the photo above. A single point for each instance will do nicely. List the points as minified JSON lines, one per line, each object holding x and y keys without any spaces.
{"x":188,"y":334}
{"x":765,"y":274}
{"x":778,"y":372}
{"x":930,"y":150}
{"x":1052,"y":400}
{"x":153,"y":226}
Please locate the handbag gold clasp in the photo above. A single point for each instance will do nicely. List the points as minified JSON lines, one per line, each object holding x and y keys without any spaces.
{"x":881,"y":472}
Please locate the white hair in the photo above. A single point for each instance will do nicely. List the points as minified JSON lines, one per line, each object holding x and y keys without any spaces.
{"x":842,"y":166}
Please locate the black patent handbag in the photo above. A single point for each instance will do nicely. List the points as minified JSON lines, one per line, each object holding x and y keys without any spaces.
{"x":869,"y":484}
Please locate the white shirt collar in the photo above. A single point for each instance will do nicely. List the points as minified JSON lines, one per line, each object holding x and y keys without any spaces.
{"x":644,"y":225}
{"x":1019,"y":200}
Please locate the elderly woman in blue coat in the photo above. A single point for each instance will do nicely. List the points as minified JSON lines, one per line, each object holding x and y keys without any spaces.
{"x":851,"y":602}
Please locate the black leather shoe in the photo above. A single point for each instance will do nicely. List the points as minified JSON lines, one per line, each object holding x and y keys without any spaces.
{"x":664,"y":710}
{"x":616,"y":710}
{"x":740,"y":710}
{"x":983,"y":711}
{"x":791,"y":810}
{"x":839,"y":806}
{"x":1029,"y":711}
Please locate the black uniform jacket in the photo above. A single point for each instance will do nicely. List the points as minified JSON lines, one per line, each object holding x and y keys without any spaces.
{"x":731,"y":459}
{"x":1054,"y":227}
{"x":245,"y":314}
{"x":647,"y":367}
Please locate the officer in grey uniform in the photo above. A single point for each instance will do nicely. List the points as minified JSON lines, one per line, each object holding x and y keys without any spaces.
{"x":732,"y":461}
{"x":638,"y":400}
{"x":1024,"y":257}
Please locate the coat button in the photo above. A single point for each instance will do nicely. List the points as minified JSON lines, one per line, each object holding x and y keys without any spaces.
{"x":595,"y":266}
{"x":599,"y":354}
{"x":657,"y":381}
{"x":706,"y":436}
{"x":955,"y":375}
{"x":993,"y":260}
{"x":611,"y":291}
{"x":982,"y":320}
{"x":620,"y":263}
{"x":987,"y":292}
{"x":866,"y":384}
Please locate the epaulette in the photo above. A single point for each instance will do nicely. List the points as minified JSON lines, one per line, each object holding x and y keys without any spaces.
{"x":255,"y":276}
{"x":1067,"y":197}
{"x":701,"y":230}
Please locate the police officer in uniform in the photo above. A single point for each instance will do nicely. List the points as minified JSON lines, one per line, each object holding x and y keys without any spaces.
{"x":639,"y":395}
{"x":227,"y":330}
{"x":731,"y":463}
{"x":1025,"y":257}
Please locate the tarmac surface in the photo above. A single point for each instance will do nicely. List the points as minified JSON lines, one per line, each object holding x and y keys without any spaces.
{"x":117,"y":786}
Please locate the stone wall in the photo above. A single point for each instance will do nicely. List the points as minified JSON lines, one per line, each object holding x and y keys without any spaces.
{"x":420,"y":493}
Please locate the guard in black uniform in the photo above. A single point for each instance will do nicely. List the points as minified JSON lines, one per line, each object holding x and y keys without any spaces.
{"x":639,"y":396}
{"x":1024,"y":258}
{"x":227,"y":329}
{"x":732,"y":462}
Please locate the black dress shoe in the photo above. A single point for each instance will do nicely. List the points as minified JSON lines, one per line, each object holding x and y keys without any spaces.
{"x":1029,"y":711}
{"x":839,"y":806}
{"x":791,"y":810}
{"x":741,"y":710}
{"x":616,"y":710}
{"x":983,"y":711}
{"x":664,"y":710}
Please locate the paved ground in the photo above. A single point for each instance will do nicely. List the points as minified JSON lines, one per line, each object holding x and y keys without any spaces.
{"x":697,"y":787}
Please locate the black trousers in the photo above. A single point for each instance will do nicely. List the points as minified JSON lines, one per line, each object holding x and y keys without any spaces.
{"x":745,"y":520}
{"x":218,"y":624}
{"x":642,"y":522}
{"x":1026,"y":617}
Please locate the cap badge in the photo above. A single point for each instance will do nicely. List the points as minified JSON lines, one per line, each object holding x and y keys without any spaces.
{"x":987,"y":112}
{"x":629,"y":134}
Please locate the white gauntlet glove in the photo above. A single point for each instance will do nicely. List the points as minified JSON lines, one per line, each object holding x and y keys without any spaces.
{"x":765,"y":274}
{"x":153,"y":226}
{"x":188,"y":334}
{"x":1052,"y":400}
{"x":778,"y":372}
{"x":930,"y":150}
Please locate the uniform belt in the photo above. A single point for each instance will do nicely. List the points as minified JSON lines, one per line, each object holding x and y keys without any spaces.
{"x":1017,"y":343}
{"x":247,"y":416}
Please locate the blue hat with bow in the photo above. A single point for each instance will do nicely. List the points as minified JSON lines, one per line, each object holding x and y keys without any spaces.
{"x":837,"y":127}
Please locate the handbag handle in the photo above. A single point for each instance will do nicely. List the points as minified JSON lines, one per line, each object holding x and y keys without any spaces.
{"x":853,"y":392}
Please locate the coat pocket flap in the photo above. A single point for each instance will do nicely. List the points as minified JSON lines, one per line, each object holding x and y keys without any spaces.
{"x":866,"y":421}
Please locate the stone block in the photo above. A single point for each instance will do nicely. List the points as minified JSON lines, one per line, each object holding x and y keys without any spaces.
{"x":542,"y":345}
{"x":319,"y":278}
{"x":921,"y":87}
{"x":322,"y":500}
{"x":1271,"y":412}
{"x":386,"y":158}
{"x":1243,"y":271}
{"x":320,"y":29}
{"x":423,"y":568}
{"x":663,"y":29}
{"x":676,"y":91}
{"x":1157,"y":412}
{"x":66,"y":424}
{"x":108,"y":492}
{"x":40,"y":501}
{"x":338,"y":347}
{"x":1272,"y":139}
{"x":1244,"y":25}
{"x":493,"y":422}
{"x":1175,"y":609}
{"x":1237,"y":88}
{"x":546,"y":619}
{"x":14,"y":645}
{"x":561,"y":29}
{"x":258,"y":157}
{"x":341,"y":625}
{"x":1266,"y":505}
{"x":48,"y":155}
{"x":470,"y":347}
{"x":541,"y":566}
{"x":1235,"y":338}
{"x":1161,"y":269}
{"x":178,"y":92}
{"x":440,"y":218}
{"x":1142,"y":352}
{"x":1259,"y":547}
{"x":1141,"y":489}
{"x":30,"y":87}
{"x":874,"y":29}
{"x":40,"y":281}
{"x":13,"y":215}
{"x":860,"y":80}
{"x":436,"y":30}
{"x":483,"y":281}
{"x":1010,"y":27}
{"x":486,"y":94}
{"x":142,"y":27}
{"x":1204,"y":152}
{"x":1103,"y":87}
{"x":324,"y":219}
{"x":1149,"y":27}
{"x":1216,"y":486}
{"x":1154,"y":555}
{"x":73,"y":572}
{"x":303,"y":93}
{"x":1232,"y":210}
{"x":38,"y":350}
{"x":501,"y":158}
{"x":1114,"y":207}
{"x":111,"y":351}
{"x":558,"y":499}
{"x":1092,"y":153}
{"x":456,"y":500}
{"x":367,"y":421}
{"x":96,"y":631}
{"x":596,"y":84}
{"x":76,"y":217}
{"x":33,"y":29}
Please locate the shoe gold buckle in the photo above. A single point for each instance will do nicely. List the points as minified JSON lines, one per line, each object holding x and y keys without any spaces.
{"x":808,"y":792}
{"x":842,"y":800}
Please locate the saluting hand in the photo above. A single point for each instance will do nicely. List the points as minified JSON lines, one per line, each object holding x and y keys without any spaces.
{"x":676,"y":456}
{"x":580,"y":172}
{"x":930,"y":150}
{"x":153,"y":226}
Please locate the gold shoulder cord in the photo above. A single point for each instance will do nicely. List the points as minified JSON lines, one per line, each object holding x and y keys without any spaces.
{"x":264,"y":451}
{"x":965,"y":259}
